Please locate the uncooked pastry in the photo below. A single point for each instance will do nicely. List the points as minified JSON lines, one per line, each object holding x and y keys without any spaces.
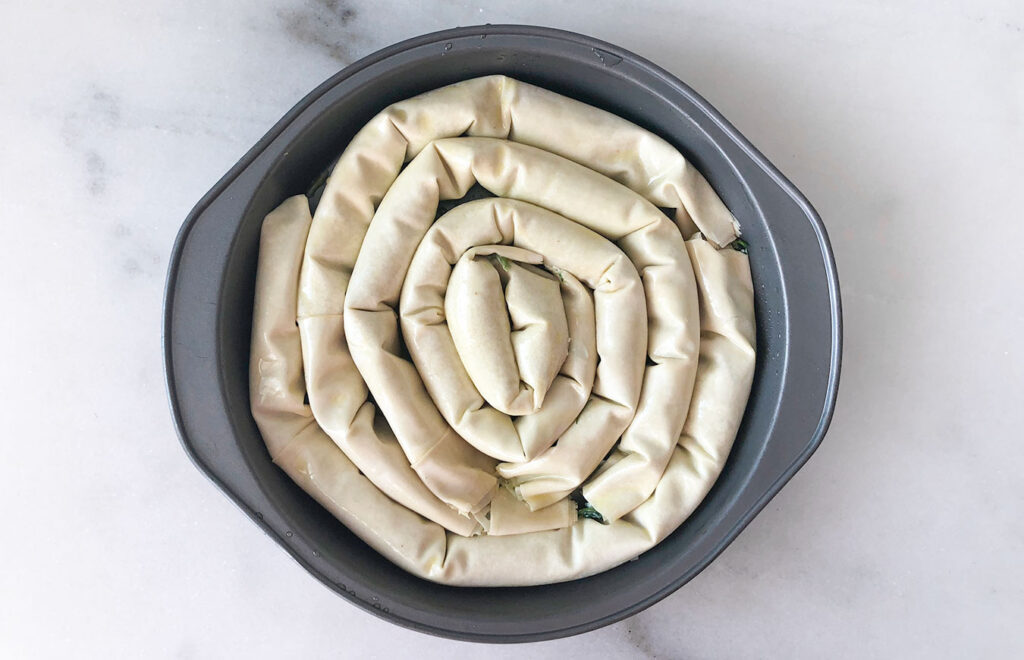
{"x":471,"y":378}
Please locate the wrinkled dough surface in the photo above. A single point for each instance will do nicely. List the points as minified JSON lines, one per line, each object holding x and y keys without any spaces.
{"x":464,"y":376}
{"x":509,"y":326}
{"x":447,"y":370}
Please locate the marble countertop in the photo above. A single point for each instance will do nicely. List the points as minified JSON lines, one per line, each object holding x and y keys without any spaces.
{"x":902,"y":122}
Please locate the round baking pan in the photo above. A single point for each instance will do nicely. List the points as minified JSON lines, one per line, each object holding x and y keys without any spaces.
{"x":208,"y":316}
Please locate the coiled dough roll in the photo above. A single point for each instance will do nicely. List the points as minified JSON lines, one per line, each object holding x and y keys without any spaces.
{"x":530,"y":388}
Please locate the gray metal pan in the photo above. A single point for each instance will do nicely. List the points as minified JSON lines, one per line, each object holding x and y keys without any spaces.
{"x":208,"y":309}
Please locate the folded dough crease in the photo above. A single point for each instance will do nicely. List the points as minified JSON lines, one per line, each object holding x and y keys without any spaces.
{"x":473,"y":378}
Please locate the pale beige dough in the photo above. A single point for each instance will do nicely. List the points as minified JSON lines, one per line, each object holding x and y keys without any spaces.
{"x":619,"y":358}
{"x":445,"y":368}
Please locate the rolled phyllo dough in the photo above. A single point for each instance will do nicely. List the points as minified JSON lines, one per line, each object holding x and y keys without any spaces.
{"x":529,"y":388}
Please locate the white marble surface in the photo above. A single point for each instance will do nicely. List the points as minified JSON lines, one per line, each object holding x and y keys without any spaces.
{"x":902,"y":122}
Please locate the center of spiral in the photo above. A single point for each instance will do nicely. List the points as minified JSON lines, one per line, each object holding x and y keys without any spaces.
{"x":508,"y":323}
